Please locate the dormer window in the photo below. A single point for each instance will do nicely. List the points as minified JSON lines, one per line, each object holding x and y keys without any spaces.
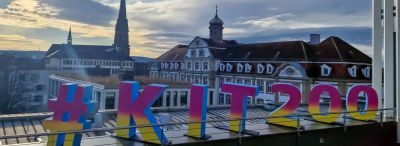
{"x":260,"y":68}
{"x":171,"y":65}
{"x":352,"y":71}
{"x":176,"y":66}
{"x":239,"y":67}
{"x":247,"y":68}
{"x":162,"y":65}
{"x":166,"y":65}
{"x":182,"y":66}
{"x":325,"y":70}
{"x":229,"y":67}
{"x":367,"y":72}
{"x":270,"y":69}
{"x":221,"y":67}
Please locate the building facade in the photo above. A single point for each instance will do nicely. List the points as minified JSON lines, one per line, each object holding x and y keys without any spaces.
{"x":114,"y":58}
{"x":213,"y":61}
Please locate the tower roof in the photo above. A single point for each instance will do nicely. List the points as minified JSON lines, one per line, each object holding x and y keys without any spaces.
{"x":216,"y":20}
{"x":69,"y":40}
{"x":122,"y":10}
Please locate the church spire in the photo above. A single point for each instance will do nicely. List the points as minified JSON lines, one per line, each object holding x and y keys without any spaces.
{"x":121,"y":38}
{"x":69,"y":41}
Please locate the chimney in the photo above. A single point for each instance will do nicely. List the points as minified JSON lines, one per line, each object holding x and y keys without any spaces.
{"x":315,"y":39}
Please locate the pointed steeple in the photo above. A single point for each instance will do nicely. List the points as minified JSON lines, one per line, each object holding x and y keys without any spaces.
{"x":216,"y":27}
{"x":121,"y":38}
{"x":69,"y":41}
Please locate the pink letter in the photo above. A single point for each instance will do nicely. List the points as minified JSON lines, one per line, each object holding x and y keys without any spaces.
{"x":335,"y":105}
{"x":239,"y":103}
{"x":197,"y":111}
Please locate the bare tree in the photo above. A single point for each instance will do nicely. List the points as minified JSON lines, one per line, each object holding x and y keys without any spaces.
{"x":16,"y":99}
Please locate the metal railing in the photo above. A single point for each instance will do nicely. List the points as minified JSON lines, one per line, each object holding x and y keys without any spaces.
{"x":381,"y":118}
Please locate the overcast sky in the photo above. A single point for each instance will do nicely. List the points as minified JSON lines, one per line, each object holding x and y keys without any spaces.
{"x":158,"y":25}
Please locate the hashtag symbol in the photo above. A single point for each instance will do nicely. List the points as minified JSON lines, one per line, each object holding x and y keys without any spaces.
{"x":70,"y":110}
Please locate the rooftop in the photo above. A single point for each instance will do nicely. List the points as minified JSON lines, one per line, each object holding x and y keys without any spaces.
{"x":112,"y":82}
{"x":12,"y":125}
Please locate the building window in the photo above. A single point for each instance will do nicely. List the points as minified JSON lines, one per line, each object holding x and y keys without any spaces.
{"x":168,"y":98}
{"x":269,"y":87}
{"x":260,"y":68}
{"x":205,"y":66}
{"x":110,"y":100}
{"x":211,"y":100}
{"x":367,"y":72}
{"x":175,"y":99}
{"x":240,"y":81}
{"x":205,"y":80}
{"x":229,"y":67}
{"x":182,"y":66}
{"x":189,"y":78}
{"x":260,"y":85}
{"x":184,"y":96}
{"x":248,"y":68}
{"x":166,"y":65}
{"x":183,"y":77}
{"x":38,"y":98}
{"x":221,"y":67}
{"x":201,"y":53}
{"x":270,"y":69}
{"x":197,"y":79}
{"x":325,"y":70}
{"x":171,"y":66}
{"x":197,"y":66}
{"x":352,"y":71}
{"x":193,"y":53}
{"x":176,"y":66}
{"x":247,"y":82}
{"x":239,"y":67}
{"x":189,"y":66}
{"x":221,"y":99}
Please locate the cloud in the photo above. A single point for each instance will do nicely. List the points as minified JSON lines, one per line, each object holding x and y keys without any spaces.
{"x":158,"y":25}
{"x":94,"y":12}
{"x":17,"y":42}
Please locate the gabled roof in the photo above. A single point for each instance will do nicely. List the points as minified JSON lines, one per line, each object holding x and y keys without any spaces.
{"x":85,"y":52}
{"x":176,"y":54}
{"x":333,"y":49}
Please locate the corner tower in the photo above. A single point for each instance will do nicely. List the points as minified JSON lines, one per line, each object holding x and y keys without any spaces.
{"x":216,"y":27}
{"x":121,"y":38}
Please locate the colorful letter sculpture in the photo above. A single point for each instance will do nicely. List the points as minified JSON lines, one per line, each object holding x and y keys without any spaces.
{"x":197,"y":111}
{"x":134,"y":110}
{"x":334,"y":107}
{"x":371,"y":104}
{"x":287,"y":108}
{"x":70,"y":108}
{"x":239,"y":104}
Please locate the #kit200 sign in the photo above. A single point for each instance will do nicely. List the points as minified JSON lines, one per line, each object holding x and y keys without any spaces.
{"x":134,"y":109}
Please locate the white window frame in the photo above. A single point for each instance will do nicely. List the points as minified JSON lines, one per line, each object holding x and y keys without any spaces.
{"x":229,"y":67}
{"x":366,"y":71}
{"x":239,"y":67}
{"x":260,"y":68}
{"x":248,"y":68}
{"x":325,"y":67}
{"x":352,"y":71}
{"x":270,"y":69}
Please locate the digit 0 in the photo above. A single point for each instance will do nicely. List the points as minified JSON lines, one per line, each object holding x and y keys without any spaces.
{"x":371,"y":103}
{"x":334,"y":104}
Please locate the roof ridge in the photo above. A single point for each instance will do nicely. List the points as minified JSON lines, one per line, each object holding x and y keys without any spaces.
{"x":337,"y":49}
